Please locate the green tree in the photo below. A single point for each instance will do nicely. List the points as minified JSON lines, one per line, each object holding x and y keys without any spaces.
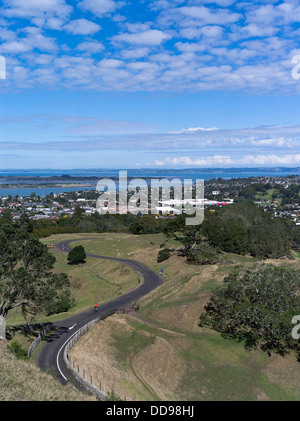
{"x":26,"y":277}
{"x":77,"y":255}
{"x":257,"y":306}
{"x":163,"y":254}
{"x":146,"y":224}
{"x":243,"y":228}
{"x":204,"y":254}
{"x":78,"y":212}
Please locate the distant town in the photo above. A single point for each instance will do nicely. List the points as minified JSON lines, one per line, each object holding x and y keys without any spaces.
{"x":277,"y":195}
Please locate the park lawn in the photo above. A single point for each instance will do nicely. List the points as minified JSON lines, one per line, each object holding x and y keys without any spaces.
{"x":268,"y":197}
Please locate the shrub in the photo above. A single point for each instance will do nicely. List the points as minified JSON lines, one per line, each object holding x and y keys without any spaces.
{"x":17,"y":349}
{"x":77,"y":255}
{"x":163,"y":254}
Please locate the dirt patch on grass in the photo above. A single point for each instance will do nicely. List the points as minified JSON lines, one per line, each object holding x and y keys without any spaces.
{"x":284,"y":370}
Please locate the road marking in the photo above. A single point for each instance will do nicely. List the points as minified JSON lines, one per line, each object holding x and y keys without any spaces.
{"x":129,"y":263}
{"x":70,"y":328}
{"x":57,"y":363}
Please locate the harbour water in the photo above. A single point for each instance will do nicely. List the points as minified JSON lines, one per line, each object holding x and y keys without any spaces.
{"x":39,"y":186}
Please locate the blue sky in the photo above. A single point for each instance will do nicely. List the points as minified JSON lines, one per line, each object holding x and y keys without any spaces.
{"x":157,"y":83}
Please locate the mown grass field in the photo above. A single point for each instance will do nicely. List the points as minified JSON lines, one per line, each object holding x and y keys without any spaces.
{"x":161,"y":353}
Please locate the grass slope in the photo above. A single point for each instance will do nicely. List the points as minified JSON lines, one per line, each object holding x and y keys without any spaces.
{"x":23,"y":381}
{"x":162,"y":353}
{"x":159,"y":353}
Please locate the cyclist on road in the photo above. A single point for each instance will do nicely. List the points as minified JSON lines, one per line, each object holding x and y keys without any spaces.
{"x":96,"y":307}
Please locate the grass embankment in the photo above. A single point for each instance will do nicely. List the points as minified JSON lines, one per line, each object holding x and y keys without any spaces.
{"x":162,"y":353}
{"x":95,"y":281}
{"x":23,"y":381}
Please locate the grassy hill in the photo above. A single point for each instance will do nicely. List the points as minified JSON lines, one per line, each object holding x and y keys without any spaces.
{"x":23,"y":381}
{"x":159,"y":353}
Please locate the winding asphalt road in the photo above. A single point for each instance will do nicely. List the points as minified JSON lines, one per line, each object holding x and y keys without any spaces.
{"x":51,"y":355}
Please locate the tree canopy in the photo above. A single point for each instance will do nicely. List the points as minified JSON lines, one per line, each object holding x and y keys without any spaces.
{"x":77,"y":255}
{"x":26,"y":277}
{"x":241,"y":228}
{"x":257,"y":306}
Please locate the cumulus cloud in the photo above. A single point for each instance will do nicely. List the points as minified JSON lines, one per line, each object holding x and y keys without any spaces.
{"x":100,"y":7}
{"x":194,"y":130}
{"x":38,"y":11}
{"x":220,"y":160}
{"x":33,"y":39}
{"x":82,"y":27}
{"x":228,"y":161}
{"x":150,"y":37}
{"x":206,"y":16}
{"x":196,"y":45}
{"x":90,"y":47}
{"x":135,"y":53}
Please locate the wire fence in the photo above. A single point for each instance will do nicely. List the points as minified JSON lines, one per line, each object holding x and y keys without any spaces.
{"x":91,"y":382}
{"x":41,"y":336}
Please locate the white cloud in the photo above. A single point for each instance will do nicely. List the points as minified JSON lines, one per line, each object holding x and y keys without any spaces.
{"x":14,"y":47}
{"x":271,"y":160}
{"x":150,"y":37}
{"x":205,"y":161}
{"x":232,"y":51}
{"x":194,"y":130}
{"x":36,"y":8}
{"x":90,"y":47}
{"x":34,"y":39}
{"x":100,"y":7}
{"x":82,"y":27}
{"x":207,"y":16}
{"x":55,"y":23}
{"x":227,"y":160}
{"x":135,"y":53}
{"x":283,"y":13}
{"x":110,"y":63}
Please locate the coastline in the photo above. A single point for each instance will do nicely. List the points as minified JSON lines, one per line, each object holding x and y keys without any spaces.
{"x":41,"y":186}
